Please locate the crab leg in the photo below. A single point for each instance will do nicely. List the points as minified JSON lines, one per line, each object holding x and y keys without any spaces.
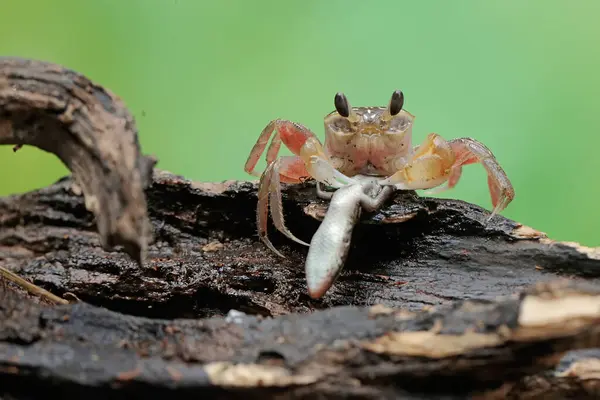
{"x":269,"y":189}
{"x":259,"y":148}
{"x":330,"y":244}
{"x":310,"y":160}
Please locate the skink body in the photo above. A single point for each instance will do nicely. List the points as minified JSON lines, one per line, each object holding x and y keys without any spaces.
{"x":331,"y":242}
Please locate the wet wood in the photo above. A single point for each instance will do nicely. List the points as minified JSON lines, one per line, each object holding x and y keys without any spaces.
{"x":466,"y":348}
{"x":207,"y":258}
{"x":433,"y":298}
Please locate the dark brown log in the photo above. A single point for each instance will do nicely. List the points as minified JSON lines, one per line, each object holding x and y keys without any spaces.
{"x":428,"y":303}
{"x":207,"y":258}
{"x":466,"y":348}
{"x":91,"y":132}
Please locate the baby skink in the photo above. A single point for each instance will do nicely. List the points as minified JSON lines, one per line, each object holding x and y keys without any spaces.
{"x":330,"y":244}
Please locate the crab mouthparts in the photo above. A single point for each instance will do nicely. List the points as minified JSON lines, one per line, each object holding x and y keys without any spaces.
{"x":371,"y":129}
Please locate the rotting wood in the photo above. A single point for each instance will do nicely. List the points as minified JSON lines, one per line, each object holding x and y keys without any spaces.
{"x":207,"y":258}
{"x":403,"y":327}
{"x":466,"y":348}
{"x":90,"y":130}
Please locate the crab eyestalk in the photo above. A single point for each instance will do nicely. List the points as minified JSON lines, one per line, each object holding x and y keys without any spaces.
{"x":343,"y":107}
{"x":395,"y":105}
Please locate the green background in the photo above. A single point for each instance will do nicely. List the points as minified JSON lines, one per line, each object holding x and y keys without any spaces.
{"x":204,"y":77}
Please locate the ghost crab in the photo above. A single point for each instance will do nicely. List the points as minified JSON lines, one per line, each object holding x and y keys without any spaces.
{"x":365,"y":141}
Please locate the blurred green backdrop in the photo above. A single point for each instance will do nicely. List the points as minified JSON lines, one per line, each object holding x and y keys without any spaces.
{"x":204,"y":77}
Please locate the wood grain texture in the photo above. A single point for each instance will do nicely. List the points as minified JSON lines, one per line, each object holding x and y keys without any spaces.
{"x":207,"y":258}
{"x":90,"y":130}
{"x":465,"y":348}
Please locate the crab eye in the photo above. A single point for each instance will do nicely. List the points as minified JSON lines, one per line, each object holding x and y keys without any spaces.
{"x":396,"y":102}
{"x":341,"y":105}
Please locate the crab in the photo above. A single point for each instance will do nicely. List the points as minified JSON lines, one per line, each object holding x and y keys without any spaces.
{"x":365,"y":141}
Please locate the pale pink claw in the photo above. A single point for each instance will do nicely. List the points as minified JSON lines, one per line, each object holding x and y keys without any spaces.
{"x":438,"y":161}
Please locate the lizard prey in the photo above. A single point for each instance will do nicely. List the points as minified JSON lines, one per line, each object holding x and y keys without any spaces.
{"x":331,"y":242}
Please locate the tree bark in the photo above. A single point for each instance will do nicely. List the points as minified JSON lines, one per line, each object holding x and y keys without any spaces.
{"x":433,"y":300}
{"x":91,"y":132}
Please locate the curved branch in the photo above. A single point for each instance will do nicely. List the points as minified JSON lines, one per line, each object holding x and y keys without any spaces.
{"x":91,"y":131}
